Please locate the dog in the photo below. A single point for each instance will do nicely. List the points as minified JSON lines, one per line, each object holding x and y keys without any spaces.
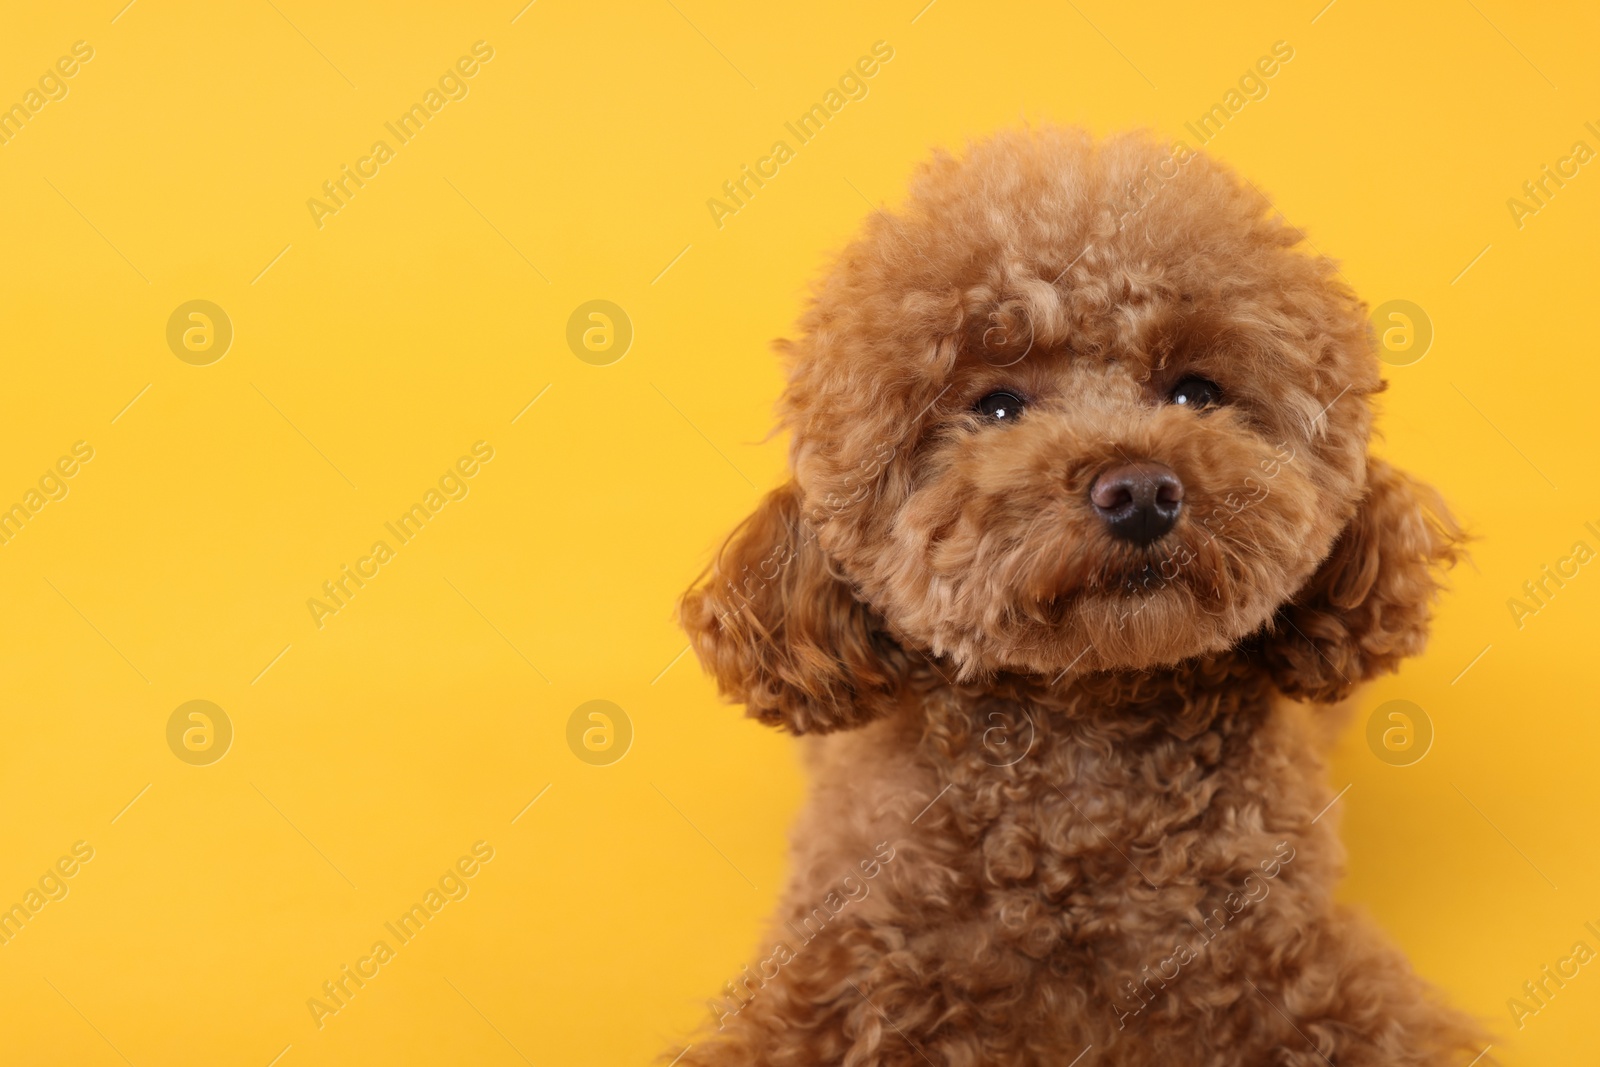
{"x":1082,"y":550}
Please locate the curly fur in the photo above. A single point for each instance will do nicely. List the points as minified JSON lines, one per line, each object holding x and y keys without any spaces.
{"x":1060,"y":799}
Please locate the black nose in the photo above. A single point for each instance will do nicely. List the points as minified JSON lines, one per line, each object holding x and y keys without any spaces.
{"x":1138,"y":501}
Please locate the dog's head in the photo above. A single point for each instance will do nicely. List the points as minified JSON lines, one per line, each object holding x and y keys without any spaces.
{"x":1074,"y":408}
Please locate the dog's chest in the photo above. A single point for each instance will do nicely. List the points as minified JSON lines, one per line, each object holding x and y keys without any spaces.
{"x":1070,"y":812}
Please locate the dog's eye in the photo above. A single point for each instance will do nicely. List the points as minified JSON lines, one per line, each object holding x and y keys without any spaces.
{"x":1001,"y":406}
{"x":1198,"y":393}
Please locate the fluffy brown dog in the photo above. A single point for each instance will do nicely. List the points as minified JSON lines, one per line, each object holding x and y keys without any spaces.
{"x":1081,"y":494}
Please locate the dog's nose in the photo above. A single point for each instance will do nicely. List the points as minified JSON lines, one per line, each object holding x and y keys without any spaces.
{"x":1138,"y":501}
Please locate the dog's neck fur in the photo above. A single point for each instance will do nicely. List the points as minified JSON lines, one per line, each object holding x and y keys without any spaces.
{"x":1183,"y":699}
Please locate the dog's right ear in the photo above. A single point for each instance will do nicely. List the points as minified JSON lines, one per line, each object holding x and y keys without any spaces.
{"x":783,"y":634}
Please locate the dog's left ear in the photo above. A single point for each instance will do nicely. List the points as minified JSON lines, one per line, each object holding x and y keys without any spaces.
{"x":1368,"y":606}
{"x":784,"y":634}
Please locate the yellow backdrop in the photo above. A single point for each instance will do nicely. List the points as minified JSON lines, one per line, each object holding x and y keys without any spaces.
{"x":276,"y":272}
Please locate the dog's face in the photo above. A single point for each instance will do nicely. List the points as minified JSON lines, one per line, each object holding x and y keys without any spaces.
{"x":1074,"y":408}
